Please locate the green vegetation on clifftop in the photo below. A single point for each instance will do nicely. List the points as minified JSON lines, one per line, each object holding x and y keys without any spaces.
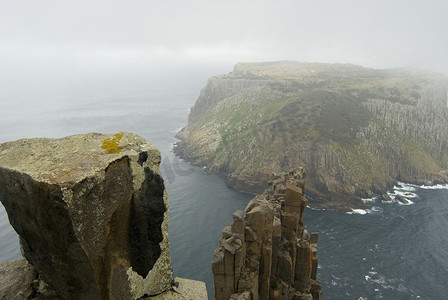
{"x":355,"y":130}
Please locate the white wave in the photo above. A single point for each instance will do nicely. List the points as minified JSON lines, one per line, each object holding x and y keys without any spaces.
{"x":435,"y":187}
{"x":357,"y":211}
{"x":406,"y":194}
{"x":313,"y":208}
{"x":373,"y":199}
{"x":406,"y":187}
{"x":413,"y":187}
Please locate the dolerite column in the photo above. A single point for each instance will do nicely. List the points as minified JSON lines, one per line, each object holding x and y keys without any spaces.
{"x":279,"y":258}
{"x":92,"y":213}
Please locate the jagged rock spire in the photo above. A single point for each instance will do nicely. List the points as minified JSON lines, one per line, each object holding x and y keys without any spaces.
{"x":266,"y":253}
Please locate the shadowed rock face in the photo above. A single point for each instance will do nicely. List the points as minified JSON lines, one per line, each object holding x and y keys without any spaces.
{"x":146,"y":221}
{"x":266,"y":253}
{"x":92,"y":222}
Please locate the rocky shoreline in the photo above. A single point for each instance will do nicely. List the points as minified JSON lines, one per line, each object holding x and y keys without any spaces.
{"x":342,"y":204}
{"x":255,"y":186}
{"x":356,"y":130}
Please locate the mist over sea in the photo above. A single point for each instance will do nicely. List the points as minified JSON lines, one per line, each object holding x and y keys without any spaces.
{"x":393,"y":251}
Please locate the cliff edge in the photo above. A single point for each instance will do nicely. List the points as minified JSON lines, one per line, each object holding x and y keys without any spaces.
{"x":91,"y":212}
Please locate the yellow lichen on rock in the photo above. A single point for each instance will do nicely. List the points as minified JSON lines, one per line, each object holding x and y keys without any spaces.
{"x":111,"y":144}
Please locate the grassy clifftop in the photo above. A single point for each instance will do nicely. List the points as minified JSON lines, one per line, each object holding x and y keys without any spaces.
{"x":355,"y":130}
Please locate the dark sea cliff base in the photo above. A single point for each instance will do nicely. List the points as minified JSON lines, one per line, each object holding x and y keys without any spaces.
{"x":343,"y":203}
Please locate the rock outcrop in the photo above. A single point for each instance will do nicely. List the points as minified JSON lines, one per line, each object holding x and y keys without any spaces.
{"x":17,"y":278}
{"x":266,"y":253}
{"x":356,"y":130}
{"x":91,"y":212}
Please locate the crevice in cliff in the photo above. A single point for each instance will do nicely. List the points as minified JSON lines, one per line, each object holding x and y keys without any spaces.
{"x":146,"y":223}
{"x":142,"y":157}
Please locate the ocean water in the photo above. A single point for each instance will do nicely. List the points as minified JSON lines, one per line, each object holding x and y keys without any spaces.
{"x":393,"y":251}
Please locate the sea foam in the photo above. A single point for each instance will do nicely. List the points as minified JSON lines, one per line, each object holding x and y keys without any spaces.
{"x":357,"y":211}
{"x":406,"y":187}
{"x":369,"y":200}
{"x":434,"y":187}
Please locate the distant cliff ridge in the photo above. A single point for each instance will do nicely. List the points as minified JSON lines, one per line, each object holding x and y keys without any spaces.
{"x":91,"y":212}
{"x":356,"y":130}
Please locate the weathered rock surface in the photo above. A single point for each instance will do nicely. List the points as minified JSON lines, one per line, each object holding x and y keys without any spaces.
{"x":356,"y":130}
{"x":183,"y":289}
{"x":91,"y":212}
{"x":16,"y":280}
{"x":266,"y":253}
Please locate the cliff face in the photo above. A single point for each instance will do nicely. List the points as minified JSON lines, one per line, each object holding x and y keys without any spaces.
{"x":266,"y":253}
{"x":91,"y":212}
{"x":356,"y":130}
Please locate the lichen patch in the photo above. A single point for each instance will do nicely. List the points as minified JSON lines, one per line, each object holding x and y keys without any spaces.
{"x":112,"y":144}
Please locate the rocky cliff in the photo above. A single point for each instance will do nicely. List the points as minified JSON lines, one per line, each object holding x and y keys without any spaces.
{"x":356,"y":130}
{"x":266,"y":253}
{"x":91,"y":212}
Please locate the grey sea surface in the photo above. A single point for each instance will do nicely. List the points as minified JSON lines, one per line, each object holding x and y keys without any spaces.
{"x":393,"y":251}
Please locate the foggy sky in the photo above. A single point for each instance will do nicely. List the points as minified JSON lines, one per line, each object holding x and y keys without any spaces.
{"x":372,"y":33}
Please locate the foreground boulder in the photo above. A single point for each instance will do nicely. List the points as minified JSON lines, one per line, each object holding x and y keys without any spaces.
{"x":91,"y":212}
{"x":266,"y":253}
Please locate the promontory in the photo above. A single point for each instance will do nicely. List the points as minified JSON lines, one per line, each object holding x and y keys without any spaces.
{"x":356,"y":130}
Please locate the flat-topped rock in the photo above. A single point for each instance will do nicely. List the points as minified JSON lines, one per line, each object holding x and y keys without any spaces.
{"x":91,"y":212}
{"x":70,"y":159}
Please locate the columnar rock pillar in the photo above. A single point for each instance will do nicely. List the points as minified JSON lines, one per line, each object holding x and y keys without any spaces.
{"x":266,"y":253}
